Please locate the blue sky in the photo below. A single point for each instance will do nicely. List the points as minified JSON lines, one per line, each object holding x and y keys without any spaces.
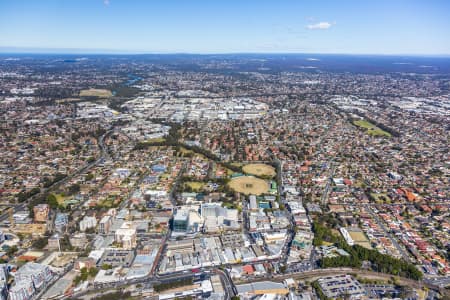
{"x":213,"y":26}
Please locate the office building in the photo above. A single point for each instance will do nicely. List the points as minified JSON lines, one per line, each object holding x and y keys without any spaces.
{"x":87,"y":223}
{"x":105,"y":225}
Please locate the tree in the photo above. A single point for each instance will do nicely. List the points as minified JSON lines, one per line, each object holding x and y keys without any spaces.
{"x":93,"y":272}
{"x":77,"y":280}
{"x":22,"y":196}
{"x":379,"y":262}
{"x":73,"y":189}
{"x":52,"y":201}
{"x":40,"y":243}
{"x":319,"y":292}
{"x":12,"y":250}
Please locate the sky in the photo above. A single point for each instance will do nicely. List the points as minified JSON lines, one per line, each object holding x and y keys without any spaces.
{"x":415,"y":27}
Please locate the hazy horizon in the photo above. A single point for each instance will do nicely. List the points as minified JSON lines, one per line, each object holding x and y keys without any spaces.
{"x":87,"y":51}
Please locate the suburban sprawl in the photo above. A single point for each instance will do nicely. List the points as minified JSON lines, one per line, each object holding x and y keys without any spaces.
{"x":223,"y":177}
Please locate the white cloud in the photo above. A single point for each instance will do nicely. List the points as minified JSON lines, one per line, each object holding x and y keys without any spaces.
{"x":320,"y":25}
{"x":106,"y":2}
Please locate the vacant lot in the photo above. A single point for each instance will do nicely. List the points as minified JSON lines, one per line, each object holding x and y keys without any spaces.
{"x":249,"y":185}
{"x":100,"y":93}
{"x":371,"y":128}
{"x":259,"y":170}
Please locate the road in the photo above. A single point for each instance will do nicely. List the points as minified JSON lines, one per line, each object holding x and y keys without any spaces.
{"x":326,"y":191}
{"x":230,"y":289}
{"x":154,"y":280}
{"x":380,"y":223}
{"x":439,"y":281}
{"x":318,"y":145}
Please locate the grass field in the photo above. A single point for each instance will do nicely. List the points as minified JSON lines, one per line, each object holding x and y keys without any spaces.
{"x":357,"y":236}
{"x":186,"y":151}
{"x":381,"y":198}
{"x":371,"y":128}
{"x":60,"y":198}
{"x":259,"y":170}
{"x":108,"y":203}
{"x":100,"y":93}
{"x":249,"y":185}
{"x":164,"y":176}
{"x":68,"y":100}
{"x":325,"y":243}
{"x":195,"y":185}
{"x":156,"y":140}
{"x":360,"y":239}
